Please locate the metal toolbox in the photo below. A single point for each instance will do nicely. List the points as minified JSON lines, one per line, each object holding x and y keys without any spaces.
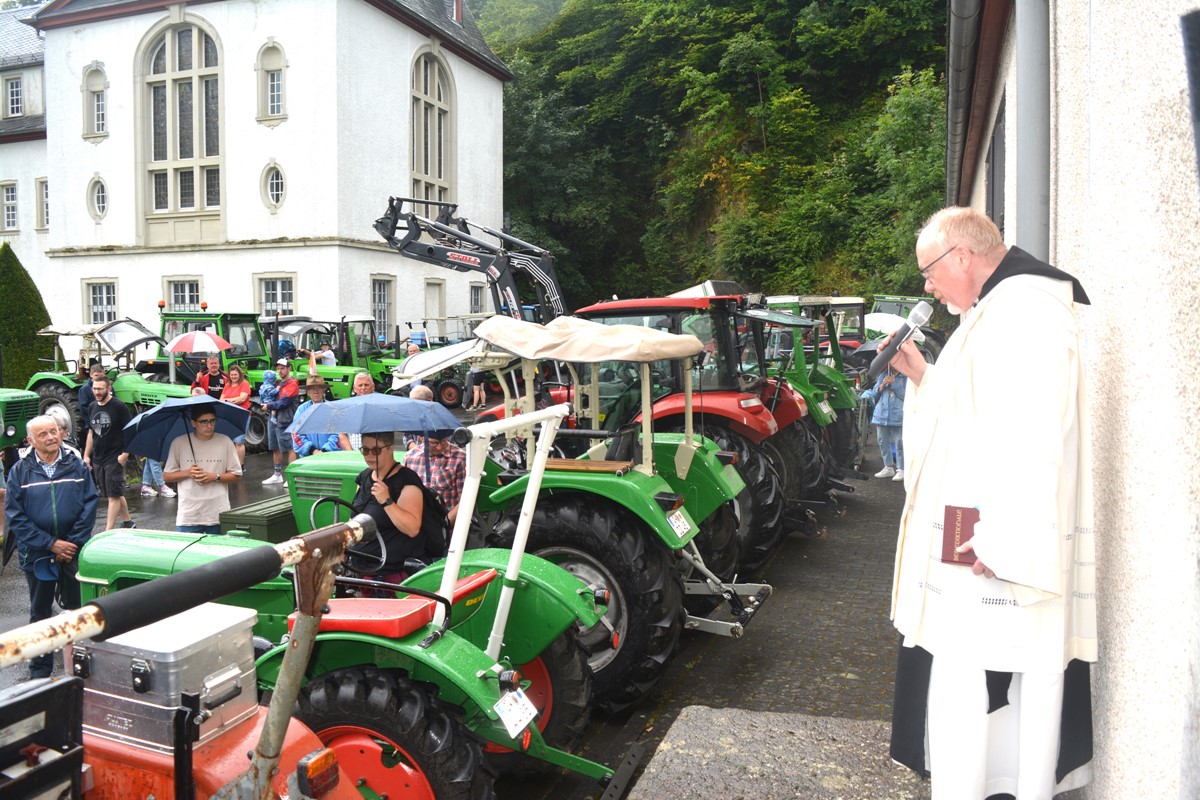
{"x":135,"y":683}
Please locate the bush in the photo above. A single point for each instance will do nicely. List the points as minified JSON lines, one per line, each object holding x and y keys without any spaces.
{"x":24,"y":314}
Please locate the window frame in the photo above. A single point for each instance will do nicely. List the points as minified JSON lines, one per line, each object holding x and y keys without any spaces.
{"x":260,"y":303}
{"x":432,"y":117}
{"x":264,"y":186}
{"x":481,"y":288}
{"x":11,"y":81}
{"x":169,"y":283}
{"x":89,"y":316}
{"x":271,"y":60}
{"x":95,"y":88}
{"x":10,"y":207}
{"x":181,"y":190}
{"x":388,"y":322}
{"x":93,"y":206}
{"x":41,"y":196}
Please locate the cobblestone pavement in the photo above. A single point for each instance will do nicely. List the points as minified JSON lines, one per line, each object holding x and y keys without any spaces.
{"x":822,"y":646}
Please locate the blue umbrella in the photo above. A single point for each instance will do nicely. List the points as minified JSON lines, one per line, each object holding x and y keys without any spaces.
{"x":378,"y":413}
{"x":150,"y":433}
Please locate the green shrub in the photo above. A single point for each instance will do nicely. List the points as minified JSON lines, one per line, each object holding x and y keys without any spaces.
{"x":24,"y":314}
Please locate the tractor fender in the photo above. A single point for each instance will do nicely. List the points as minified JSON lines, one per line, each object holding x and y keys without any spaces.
{"x":463,"y":673}
{"x":745,"y":413}
{"x":43,"y":378}
{"x":708,"y":484}
{"x":634,"y":491}
{"x":788,"y":407}
{"x":813,"y":398}
{"x":841,"y":395}
{"x":547,"y":601}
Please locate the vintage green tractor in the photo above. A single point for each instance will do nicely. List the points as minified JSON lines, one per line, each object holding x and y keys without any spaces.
{"x":17,"y":406}
{"x":139,"y":383}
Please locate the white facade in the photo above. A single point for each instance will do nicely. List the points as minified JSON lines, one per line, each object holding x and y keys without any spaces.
{"x":1124,"y":216}
{"x":341,"y":147}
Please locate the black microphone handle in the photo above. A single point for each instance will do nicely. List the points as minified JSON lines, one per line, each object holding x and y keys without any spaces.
{"x":903,"y":333}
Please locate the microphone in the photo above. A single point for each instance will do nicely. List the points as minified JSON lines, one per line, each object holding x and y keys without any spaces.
{"x":919,"y":316}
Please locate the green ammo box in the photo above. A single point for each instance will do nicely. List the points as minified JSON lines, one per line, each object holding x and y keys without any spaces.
{"x":269,"y":520}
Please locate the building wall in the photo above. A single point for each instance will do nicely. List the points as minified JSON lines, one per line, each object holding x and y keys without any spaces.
{"x":1124,"y":212}
{"x":342,"y":149}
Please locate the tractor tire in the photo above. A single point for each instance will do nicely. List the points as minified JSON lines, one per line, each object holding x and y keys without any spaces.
{"x":603,"y":544}
{"x":720,"y":548}
{"x":560,"y":687}
{"x":393,"y":737}
{"x":56,"y":394}
{"x":807,"y":437}
{"x":449,"y":394}
{"x":843,"y":439}
{"x":760,"y":505}
{"x":256,"y":434}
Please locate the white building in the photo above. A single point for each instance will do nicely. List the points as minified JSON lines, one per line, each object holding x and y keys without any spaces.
{"x":1071,"y":123}
{"x":238,"y":152}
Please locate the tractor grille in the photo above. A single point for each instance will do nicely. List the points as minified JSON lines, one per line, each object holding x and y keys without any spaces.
{"x":311,"y":487}
{"x":148,"y":400}
{"x":24,"y":408}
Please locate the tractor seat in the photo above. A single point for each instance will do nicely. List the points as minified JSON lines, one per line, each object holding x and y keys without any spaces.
{"x":392,"y":618}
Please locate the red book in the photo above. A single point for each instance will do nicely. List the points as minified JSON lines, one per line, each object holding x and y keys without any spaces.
{"x":958,"y":527}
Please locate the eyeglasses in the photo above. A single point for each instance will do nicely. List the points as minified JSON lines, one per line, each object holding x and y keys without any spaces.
{"x":212,"y":421}
{"x":372,"y":451}
{"x":925,"y":269}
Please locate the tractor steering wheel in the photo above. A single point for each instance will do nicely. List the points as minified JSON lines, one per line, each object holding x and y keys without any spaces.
{"x":371,"y":558}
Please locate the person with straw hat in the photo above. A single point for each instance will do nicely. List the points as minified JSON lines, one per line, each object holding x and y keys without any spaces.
{"x":305,"y":444}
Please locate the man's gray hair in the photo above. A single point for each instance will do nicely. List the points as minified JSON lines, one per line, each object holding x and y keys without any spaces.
{"x":41,"y":421}
{"x":60,"y":415}
{"x":421,"y":392}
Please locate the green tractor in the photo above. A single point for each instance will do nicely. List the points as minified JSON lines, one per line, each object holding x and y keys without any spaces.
{"x":139,"y":383}
{"x":17,"y":407}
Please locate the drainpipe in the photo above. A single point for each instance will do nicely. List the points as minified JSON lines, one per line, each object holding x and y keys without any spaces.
{"x":963,"y":38}
{"x":1031,"y":215}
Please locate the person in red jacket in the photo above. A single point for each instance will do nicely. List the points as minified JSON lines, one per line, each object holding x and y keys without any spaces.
{"x":212,"y":381}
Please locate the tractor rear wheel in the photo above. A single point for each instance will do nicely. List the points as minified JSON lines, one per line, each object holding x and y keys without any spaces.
{"x":718,"y":544}
{"x":560,"y":687}
{"x":58,"y":394}
{"x":843,"y":439}
{"x":760,"y":505}
{"x":392,"y":737}
{"x":607,"y":546}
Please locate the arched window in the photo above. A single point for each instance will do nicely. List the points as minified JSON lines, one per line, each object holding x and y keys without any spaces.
{"x":271,"y":69}
{"x":95,"y":101}
{"x":181,"y":139}
{"x":432,"y":158}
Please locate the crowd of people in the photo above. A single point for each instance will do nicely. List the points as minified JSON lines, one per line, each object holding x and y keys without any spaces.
{"x":51,"y":495}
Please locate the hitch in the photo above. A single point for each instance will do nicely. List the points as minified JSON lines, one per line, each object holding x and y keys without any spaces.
{"x":743,"y":599}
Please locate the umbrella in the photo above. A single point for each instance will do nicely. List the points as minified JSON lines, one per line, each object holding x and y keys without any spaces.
{"x":378,"y":413}
{"x":884,"y":323}
{"x":150,"y":433}
{"x":197,"y":342}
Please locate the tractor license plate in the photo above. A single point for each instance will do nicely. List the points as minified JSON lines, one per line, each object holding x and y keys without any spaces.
{"x":679,"y":523}
{"x":828,"y":409}
{"x":515,"y":711}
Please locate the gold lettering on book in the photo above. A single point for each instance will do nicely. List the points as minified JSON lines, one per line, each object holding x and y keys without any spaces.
{"x":957,"y":532}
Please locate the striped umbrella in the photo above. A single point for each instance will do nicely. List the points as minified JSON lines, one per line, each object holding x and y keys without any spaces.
{"x":197,"y":342}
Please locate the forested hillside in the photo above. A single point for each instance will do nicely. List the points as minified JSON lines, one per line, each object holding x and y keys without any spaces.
{"x":791,"y":146}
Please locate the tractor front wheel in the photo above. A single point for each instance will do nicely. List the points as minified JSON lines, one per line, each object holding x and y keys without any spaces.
{"x":57,"y":394}
{"x":560,"y":687}
{"x":607,"y":546}
{"x":450,"y":394}
{"x":392,"y":737}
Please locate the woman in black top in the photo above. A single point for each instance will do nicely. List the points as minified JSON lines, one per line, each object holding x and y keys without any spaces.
{"x":391,"y":494}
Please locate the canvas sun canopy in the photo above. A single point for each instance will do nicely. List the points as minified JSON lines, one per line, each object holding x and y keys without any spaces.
{"x":584,"y":341}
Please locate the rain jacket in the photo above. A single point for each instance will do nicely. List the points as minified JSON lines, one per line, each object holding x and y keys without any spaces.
{"x":40,"y":509}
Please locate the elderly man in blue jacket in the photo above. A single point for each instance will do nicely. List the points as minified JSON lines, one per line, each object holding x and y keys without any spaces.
{"x":305,"y":444}
{"x":51,"y":510}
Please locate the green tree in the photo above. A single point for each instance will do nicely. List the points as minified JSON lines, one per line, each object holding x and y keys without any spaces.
{"x":24,"y":315}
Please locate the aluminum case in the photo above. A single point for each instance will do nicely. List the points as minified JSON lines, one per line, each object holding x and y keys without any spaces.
{"x":134,"y":683}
